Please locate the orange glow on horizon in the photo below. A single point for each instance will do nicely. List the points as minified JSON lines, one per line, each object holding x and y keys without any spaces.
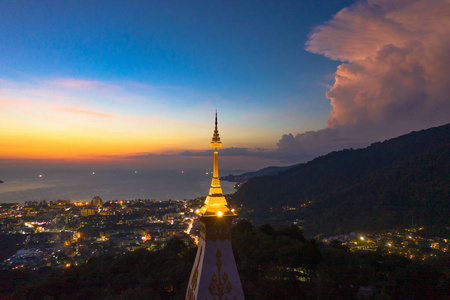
{"x":52,"y":128}
{"x":89,"y":146}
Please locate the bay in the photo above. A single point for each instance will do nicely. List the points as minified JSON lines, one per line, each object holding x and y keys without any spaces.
{"x":31,"y":184}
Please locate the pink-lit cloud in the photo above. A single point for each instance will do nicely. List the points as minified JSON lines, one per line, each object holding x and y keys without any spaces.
{"x":77,"y":110}
{"x":77,"y":84}
{"x":395,"y":77}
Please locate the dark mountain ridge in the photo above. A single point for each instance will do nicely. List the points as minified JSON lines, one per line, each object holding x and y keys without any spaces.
{"x":412,"y":165}
{"x":248,"y":175}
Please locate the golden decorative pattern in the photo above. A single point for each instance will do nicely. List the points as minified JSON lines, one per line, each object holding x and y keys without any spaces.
{"x":220,"y":285}
{"x":193,"y":285}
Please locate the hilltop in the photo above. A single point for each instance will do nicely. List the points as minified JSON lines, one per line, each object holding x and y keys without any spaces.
{"x":263,"y":172}
{"x":398,"y":182}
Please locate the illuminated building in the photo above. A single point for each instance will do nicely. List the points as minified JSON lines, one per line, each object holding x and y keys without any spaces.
{"x":88,"y":211}
{"x":214,"y":274}
{"x":97,"y":201}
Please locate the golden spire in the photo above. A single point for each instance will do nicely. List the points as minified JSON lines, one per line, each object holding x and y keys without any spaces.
{"x":214,"y":274}
{"x":215,"y":202}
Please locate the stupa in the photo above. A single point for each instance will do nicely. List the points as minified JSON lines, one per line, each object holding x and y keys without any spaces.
{"x":214,"y":274}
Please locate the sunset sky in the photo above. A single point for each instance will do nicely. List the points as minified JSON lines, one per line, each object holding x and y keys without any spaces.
{"x":127,"y":83}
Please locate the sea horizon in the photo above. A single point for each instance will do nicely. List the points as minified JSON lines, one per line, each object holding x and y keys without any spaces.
{"x":52,"y":184}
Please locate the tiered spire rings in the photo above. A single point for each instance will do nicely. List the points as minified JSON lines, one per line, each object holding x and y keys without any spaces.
{"x":215,"y":203}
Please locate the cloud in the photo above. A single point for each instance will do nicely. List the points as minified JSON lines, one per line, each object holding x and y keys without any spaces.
{"x":78,"y":84}
{"x":232,"y":151}
{"x":77,"y":110}
{"x":142,"y":155}
{"x":358,"y":31}
{"x":394,"y":79}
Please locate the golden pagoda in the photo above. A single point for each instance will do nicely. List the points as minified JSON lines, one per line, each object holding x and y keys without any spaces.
{"x":214,"y":274}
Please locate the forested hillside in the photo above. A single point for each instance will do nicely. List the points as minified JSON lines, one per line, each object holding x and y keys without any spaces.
{"x":272,"y":264}
{"x":263,"y":172}
{"x":397,"y":182}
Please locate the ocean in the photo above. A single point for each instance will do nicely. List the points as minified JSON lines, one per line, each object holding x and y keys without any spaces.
{"x":22,"y":185}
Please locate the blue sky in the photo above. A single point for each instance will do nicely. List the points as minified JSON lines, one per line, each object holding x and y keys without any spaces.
{"x":252,"y":50}
{"x":149,"y":69}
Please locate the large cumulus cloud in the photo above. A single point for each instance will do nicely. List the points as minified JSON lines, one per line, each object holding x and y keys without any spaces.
{"x":395,"y":76}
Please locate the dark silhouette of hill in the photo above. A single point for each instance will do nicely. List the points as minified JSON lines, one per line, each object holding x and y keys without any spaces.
{"x":263,"y":172}
{"x":388,"y":184}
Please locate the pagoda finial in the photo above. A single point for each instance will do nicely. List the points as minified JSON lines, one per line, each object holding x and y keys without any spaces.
{"x":215,"y":142}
